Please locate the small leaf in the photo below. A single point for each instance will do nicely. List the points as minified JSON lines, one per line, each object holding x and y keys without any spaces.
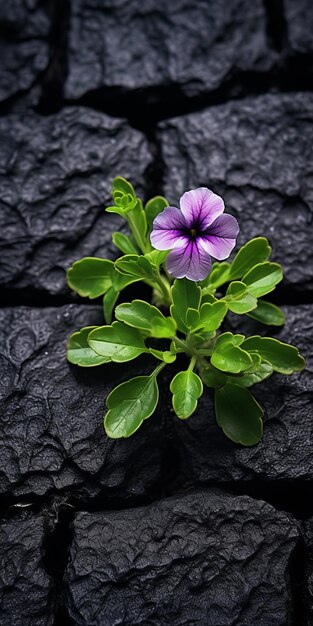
{"x":144,"y":316}
{"x":163,"y":327}
{"x":129,"y":405}
{"x":211,"y":376}
{"x":247,"y":380}
{"x":263,"y":278}
{"x":115,"y":209}
{"x":231,"y":359}
{"x":239,"y":414}
{"x":254,"y":251}
{"x":268,"y":313}
{"x":212,"y":315}
{"x":186,"y":294}
{"x":156,"y":257}
{"x":284,"y":359}
{"x":109,"y":300}
{"x":120,"y":281}
{"x":80,"y":353}
{"x":124,"y":243}
{"x":90,"y":277}
{"x":193,"y":319}
{"x":138,"y":221}
{"x":123,"y":186}
{"x":208,"y":297}
{"x":219,"y":275}
{"x":238,"y":299}
{"x":186,"y":388}
{"x":138,"y":314}
{"x":153,"y":208}
{"x":118,"y":341}
{"x":228,"y":356}
{"x":166,"y":355}
{"x":228,"y":338}
{"x":136,"y":265}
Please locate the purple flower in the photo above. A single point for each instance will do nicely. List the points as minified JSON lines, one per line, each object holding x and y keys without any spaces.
{"x":195,"y":233}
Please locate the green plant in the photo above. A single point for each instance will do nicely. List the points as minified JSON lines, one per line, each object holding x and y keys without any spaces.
{"x":187,"y":312}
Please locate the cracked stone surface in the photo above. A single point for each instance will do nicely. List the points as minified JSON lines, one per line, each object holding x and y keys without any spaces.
{"x":138,"y":44}
{"x":257,"y":154}
{"x":55,"y":180}
{"x":52,"y":436}
{"x":285,"y":450}
{"x":308,"y":576}
{"x":25,"y":587}
{"x":201,"y":558}
{"x":24,"y":48}
{"x":299,"y":20}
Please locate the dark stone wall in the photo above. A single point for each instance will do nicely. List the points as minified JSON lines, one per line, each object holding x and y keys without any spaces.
{"x":176,"y":525}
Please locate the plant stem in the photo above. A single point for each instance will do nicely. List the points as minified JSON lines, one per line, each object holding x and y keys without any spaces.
{"x":183,"y":345}
{"x":137,"y":235}
{"x":192,"y":363}
{"x":158,"y":369}
{"x":165,"y":288}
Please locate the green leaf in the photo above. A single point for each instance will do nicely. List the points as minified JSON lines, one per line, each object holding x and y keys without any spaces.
{"x":80,"y":353}
{"x":228,"y":338}
{"x":186,"y":388}
{"x":263,"y":278}
{"x":136,"y":265}
{"x":284,"y":358}
{"x":185,"y":294}
{"x":120,"y":281}
{"x":238,"y":299}
{"x":153,"y":208}
{"x":129,"y":405}
{"x":138,"y":314}
{"x":254,"y":251}
{"x":90,"y":277}
{"x":163,"y":327}
{"x":144,"y":316}
{"x":209,"y":317}
{"x":166,"y":355}
{"x":156,"y":257}
{"x":247,"y":380}
{"x":228,"y":356}
{"x":124,"y":243}
{"x":208,"y":297}
{"x":239,"y":414}
{"x":212,"y":315}
{"x":118,"y":341}
{"x":123,"y":186}
{"x":138,"y":222}
{"x":211,"y":376}
{"x":219,"y":275}
{"x":109,"y":300}
{"x":268,"y":313}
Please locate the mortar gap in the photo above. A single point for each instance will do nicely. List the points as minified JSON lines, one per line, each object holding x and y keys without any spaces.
{"x":276,"y":26}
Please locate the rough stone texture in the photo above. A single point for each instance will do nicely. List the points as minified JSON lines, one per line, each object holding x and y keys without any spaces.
{"x":25,"y":587}
{"x":308,"y":576}
{"x":138,"y":44}
{"x":52,"y":435}
{"x":299,"y":21}
{"x":257,"y":154}
{"x":24,"y":50}
{"x":204,"y":558}
{"x":285,"y":450}
{"x":55,"y":180}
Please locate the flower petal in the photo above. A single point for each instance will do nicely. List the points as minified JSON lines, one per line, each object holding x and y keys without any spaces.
{"x":190,"y":262}
{"x":201,"y":207}
{"x":169,"y":230}
{"x":219,"y":238}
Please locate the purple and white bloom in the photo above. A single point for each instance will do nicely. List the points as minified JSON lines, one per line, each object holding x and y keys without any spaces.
{"x":194,"y":233}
